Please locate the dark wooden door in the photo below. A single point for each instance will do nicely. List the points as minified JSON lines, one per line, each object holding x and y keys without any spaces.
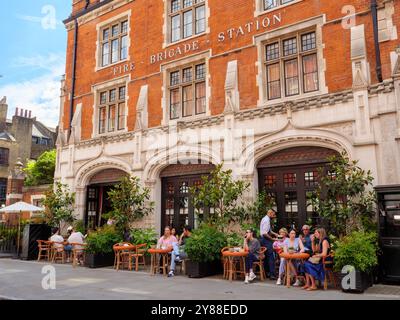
{"x":292,"y":187}
{"x":177,"y":204}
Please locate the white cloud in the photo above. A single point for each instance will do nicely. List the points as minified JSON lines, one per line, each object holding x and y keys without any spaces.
{"x":41,"y":94}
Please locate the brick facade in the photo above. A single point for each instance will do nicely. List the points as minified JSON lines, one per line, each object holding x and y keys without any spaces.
{"x":350,"y":111}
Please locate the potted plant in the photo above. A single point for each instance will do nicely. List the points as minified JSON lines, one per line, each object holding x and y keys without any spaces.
{"x":144,"y":236}
{"x":130,"y":202}
{"x":356,"y":253}
{"x":99,"y":250}
{"x":204,"y":251}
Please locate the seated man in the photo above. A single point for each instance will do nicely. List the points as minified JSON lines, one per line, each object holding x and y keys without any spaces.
{"x":74,"y":238}
{"x":57,"y":239}
{"x":179,"y":254}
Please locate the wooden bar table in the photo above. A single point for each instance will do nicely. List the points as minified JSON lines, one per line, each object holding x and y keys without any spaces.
{"x":231,"y":255}
{"x":121,"y":252}
{"x":289,"y":257}
{"x":154,"y":264}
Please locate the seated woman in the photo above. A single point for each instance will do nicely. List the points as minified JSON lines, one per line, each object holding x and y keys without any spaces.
{"x":167,"y":240}
{"x":252,"y":246}
{"x":278,"y":247}
{"x":314,"y":268}
{"x":293,"y":245}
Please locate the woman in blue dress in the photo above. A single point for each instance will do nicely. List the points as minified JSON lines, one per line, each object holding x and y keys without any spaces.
{"x":314,"y":269}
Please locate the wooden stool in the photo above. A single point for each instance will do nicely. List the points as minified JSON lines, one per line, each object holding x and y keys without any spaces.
{"x":44,"y":250}
{"x":58,"y":252}
{"x":260,"y":264}
{"x":139,"y":255}
{"x":164,"y":254}
{"x":329,"y":275}
{"x":78,"y":251}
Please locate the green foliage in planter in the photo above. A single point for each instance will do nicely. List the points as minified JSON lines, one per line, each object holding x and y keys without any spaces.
{"x":102,"y":240}
{"x":130,"y":202}
{"x":205,"y":244}
{"x":359,"y":249}
{"x":222,"y":193}
{"x":234,"y":240}
{"x":79,"y":226}
{"x":59,"y":204}
{"x":141,"y":236}
{"x":345,"y":198}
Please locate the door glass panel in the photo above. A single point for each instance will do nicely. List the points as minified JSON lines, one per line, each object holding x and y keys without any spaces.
{"x":272,"y":200}
{"x":270,"y":181}
{"x":311,"y":208}
{"x":291,"y":207}
{"x":290,"y":180}
{"x":310,"y":178}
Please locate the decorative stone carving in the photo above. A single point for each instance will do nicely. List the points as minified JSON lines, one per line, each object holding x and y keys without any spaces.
{"x":141,"y":109}
{"x":232,"y":88}
{"x":76,"y":125}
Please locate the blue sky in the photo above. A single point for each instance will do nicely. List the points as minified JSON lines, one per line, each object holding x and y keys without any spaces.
{"x":33,"y":58}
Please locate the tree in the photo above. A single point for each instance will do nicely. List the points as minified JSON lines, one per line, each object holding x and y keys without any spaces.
{"x":41,"y":171}
{"x":223,"y":195}
{"x":59,"y":204}
{"x":129,"y":202}
{"x":345,"y":198}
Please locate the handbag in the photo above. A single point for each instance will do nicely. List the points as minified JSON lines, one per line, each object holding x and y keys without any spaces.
{"x":314,"y":260}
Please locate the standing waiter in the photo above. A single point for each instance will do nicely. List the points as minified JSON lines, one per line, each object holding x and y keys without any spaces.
{"x":267,"y":239}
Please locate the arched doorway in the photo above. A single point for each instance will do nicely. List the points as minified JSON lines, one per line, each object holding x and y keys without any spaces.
{"x":177,"y":208}
{"x":97,"y":202}
{"x":290,"y":177}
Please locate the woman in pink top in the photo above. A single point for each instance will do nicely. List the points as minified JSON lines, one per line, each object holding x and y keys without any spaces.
{"x":167,"y":240}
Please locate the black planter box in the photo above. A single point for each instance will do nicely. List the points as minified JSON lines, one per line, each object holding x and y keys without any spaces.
{"x":29,"y":245}
{"x":99,"y":260}
{"x":203,"y":269}
{"x":363,"y":282}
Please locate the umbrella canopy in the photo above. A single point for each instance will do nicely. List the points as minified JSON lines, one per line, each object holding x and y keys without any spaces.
{"x":21,"y":207}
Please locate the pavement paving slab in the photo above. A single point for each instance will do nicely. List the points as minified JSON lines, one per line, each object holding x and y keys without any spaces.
{"x":24,"y":279}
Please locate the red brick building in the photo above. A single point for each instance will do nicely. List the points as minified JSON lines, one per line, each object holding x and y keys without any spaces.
{"x":269,"y":87}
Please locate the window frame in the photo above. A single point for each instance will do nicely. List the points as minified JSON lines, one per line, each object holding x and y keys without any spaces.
{"x":4,"y":156}
{"x":181,"y":13}
{"x":193,"y":83}
{"x":110,"y":40}
{"x":261,"y":9}
{"x":282,"y":59}
{"x":103,"y":125}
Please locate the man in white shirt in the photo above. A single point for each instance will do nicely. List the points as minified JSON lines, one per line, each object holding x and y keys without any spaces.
{"x":267,"y":239}
{"x":57,"y":239}
{"x":74,"y":240}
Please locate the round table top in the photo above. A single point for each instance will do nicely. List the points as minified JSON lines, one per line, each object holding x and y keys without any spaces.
{"x":290,"y":256}
{"x":153,"y":251}
{"x":122,"y":248}
{"x":235,"y":254}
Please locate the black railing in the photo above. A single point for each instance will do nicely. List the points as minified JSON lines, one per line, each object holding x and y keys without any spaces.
{"x":8,"y":237}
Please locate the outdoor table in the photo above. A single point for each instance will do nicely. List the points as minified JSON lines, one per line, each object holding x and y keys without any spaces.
{"x":292,"y":256}
{"x":122,"y":250}
{"x":154,"y":264}
{"x":231,"y":262}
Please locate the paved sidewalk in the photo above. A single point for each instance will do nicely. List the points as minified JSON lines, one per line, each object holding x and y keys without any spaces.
{"x":23,"y":280}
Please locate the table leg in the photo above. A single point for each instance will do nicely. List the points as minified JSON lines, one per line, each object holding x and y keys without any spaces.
{"x":230,"y":268}
{"x":152,"y":264}
{"x":287,"y":273}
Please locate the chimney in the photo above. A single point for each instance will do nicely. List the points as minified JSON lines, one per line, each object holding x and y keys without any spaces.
{"x":26,"y":113}
{"x":30,"y":114}
{"x":16,"y":111}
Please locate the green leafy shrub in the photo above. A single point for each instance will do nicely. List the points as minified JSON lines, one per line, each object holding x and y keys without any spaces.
{"x":234,"y":240}
{"x":102,"y":240}
{"x":359,"y":249}
{"x":79,"y":226}
{"x":205,"y":244}
{"x":41,"y":171}
{"x":141,"y":236}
